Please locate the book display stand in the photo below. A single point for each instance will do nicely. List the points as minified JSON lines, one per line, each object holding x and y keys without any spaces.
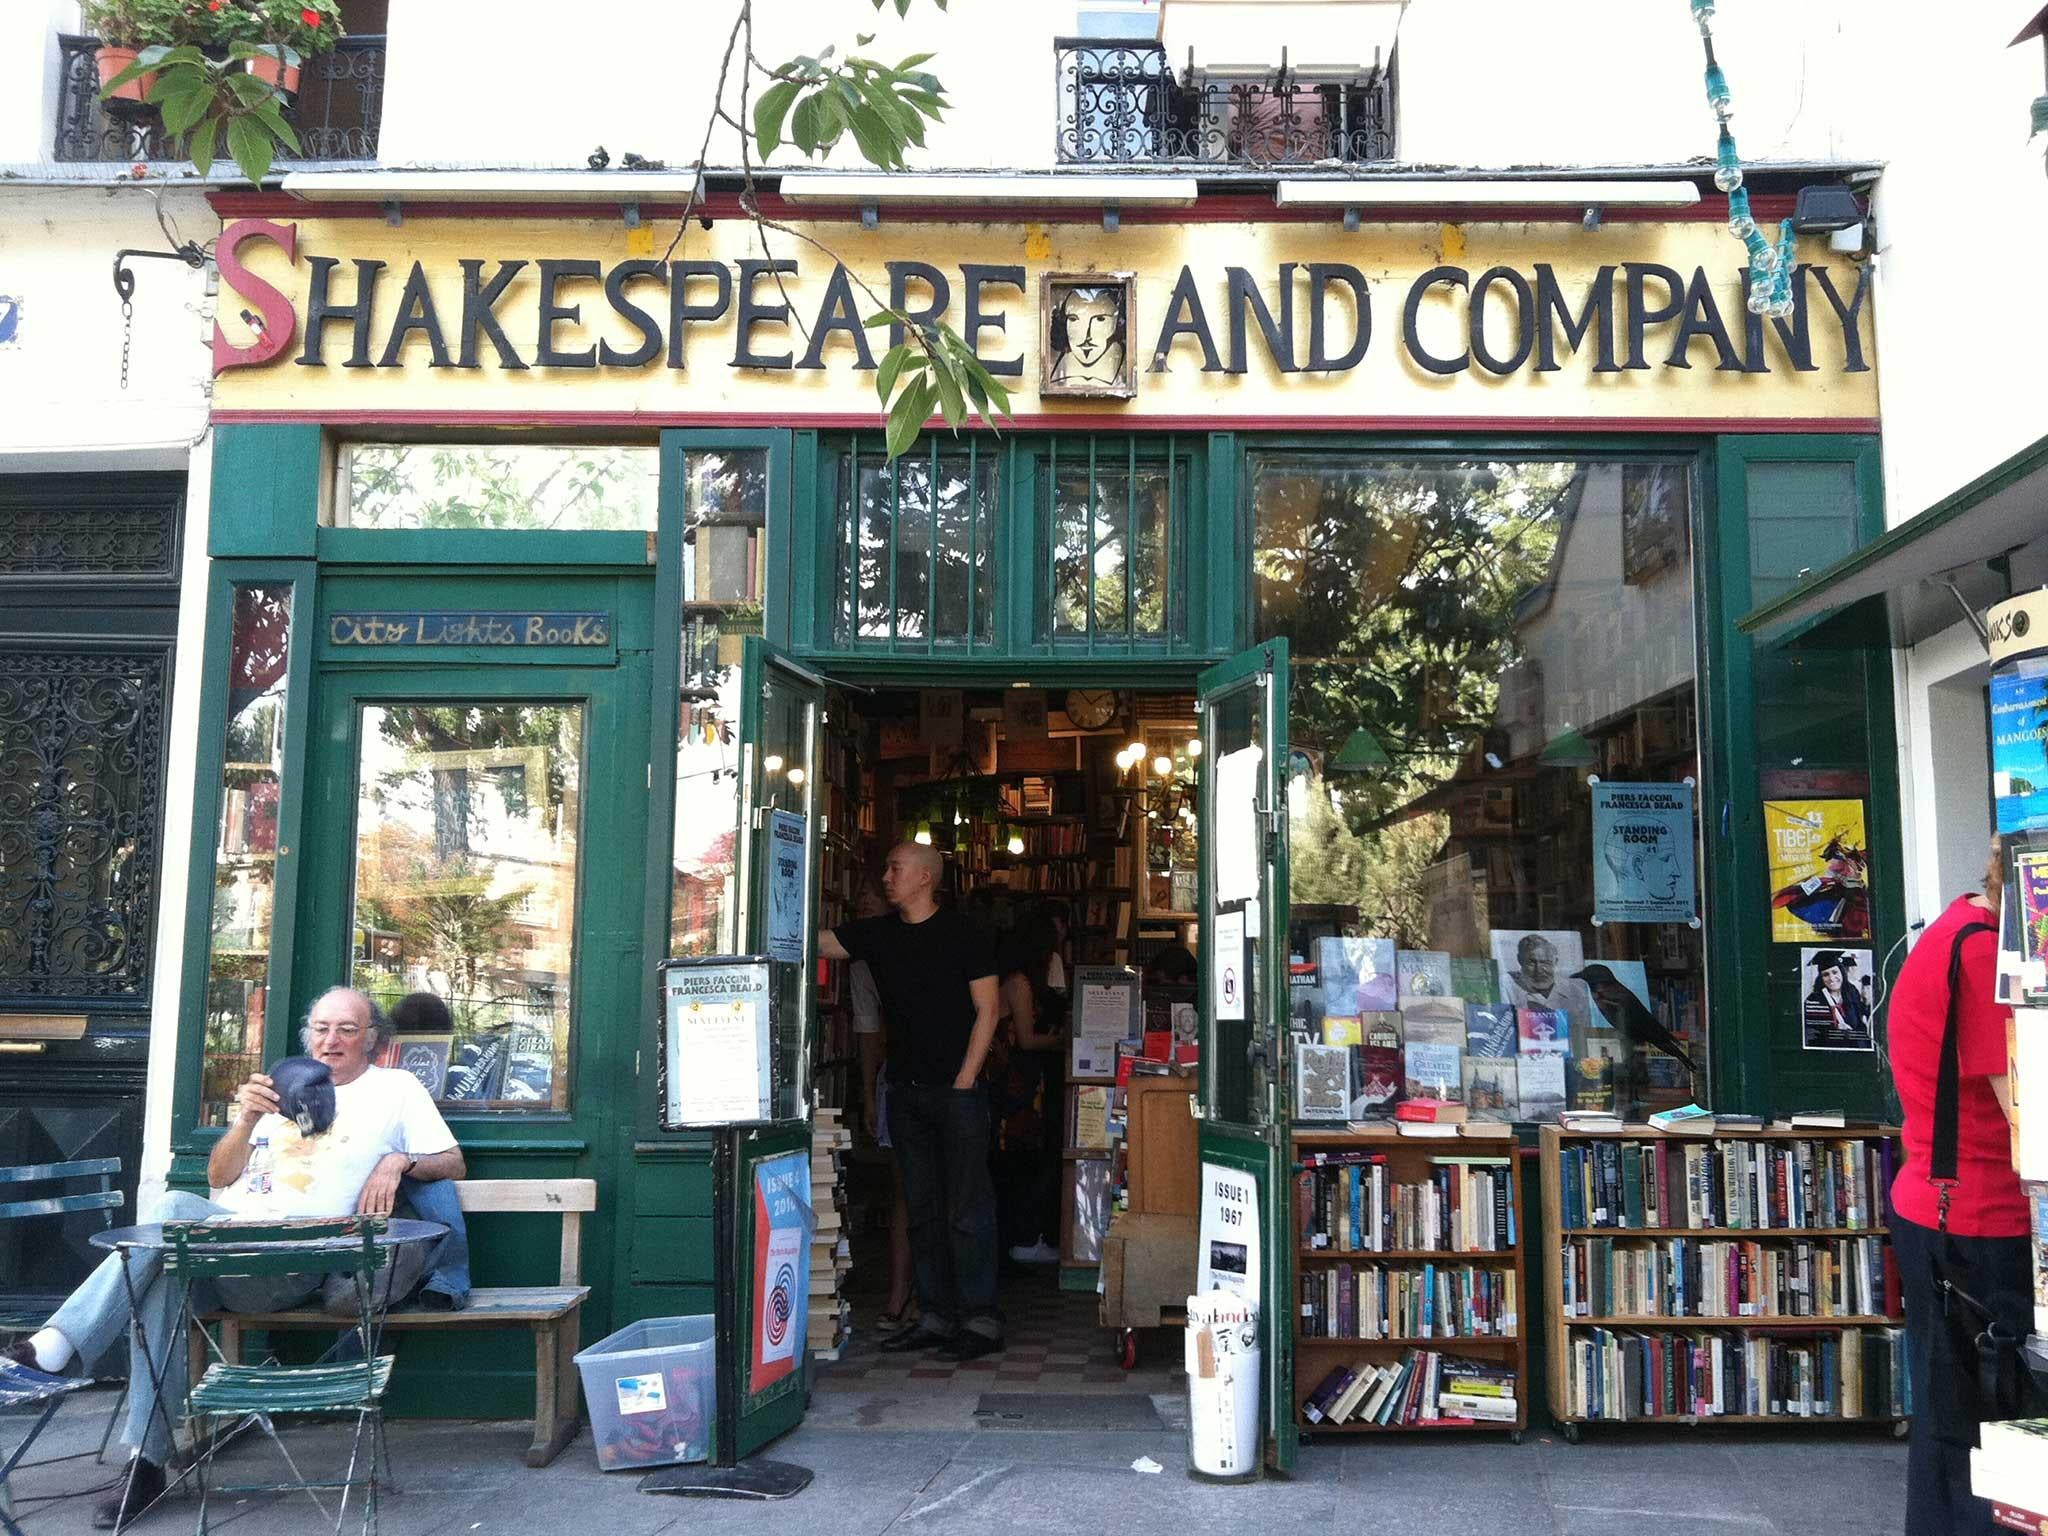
{"x":1742,"y":1277}
{"x":1409,"y":1258}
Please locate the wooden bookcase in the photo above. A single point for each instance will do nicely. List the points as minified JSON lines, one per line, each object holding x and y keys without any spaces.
{"x":1409,"y":1160}
{"x":1560,"y":1328}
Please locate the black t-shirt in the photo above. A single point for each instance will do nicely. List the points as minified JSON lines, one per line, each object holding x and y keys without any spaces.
{"x":921,"y":972}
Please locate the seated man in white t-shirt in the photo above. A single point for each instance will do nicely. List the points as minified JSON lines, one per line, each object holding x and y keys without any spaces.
{"x":385,"y":1128}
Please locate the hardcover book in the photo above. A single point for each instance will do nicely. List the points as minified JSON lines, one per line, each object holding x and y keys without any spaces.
{"x":1322,"y":1082}
{"x":1376,"y":1080}
{"x":1492,"y":1092}
{"x":1358,"y":975}
{"x":1542,"y":1032}
{"x":1423,"y":973}
{"x":1434,"y":1071}
{"x":1592,"y":1082}
{"x":1540,"y":1080}
{"x":1433,"y":1021}
{"x":1490,"y":1029}
{"x":1472,"y":979}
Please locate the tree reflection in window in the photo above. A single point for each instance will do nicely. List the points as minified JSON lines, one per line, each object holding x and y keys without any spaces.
{"x":498,"y":486}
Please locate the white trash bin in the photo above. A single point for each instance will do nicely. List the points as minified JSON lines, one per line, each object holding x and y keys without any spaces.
{"x":1225,"y":1386}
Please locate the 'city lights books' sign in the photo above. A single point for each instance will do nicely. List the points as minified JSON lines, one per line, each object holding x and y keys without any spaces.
{"x":467,"y":628}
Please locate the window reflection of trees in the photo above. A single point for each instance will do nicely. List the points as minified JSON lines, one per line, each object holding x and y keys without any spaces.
{"x":938,"y":571}
{"x":1093,"y":516}
{"x":530,"y":486}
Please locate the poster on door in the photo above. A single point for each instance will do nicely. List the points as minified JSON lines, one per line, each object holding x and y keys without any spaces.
{"x":783,"y":1222}
{"x":1229,"y":1234}
{"x":786,"y":839}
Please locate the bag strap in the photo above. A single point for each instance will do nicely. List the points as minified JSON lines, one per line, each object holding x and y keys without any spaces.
{"x":1941,"y":1162}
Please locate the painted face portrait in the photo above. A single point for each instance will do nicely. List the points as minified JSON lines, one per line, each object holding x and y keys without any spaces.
{"x":1088,"y":337}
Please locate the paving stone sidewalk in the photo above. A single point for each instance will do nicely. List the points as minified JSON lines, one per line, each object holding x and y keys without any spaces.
{"x":924,"y":1464}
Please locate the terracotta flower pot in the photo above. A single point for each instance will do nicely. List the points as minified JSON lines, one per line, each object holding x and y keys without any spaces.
{"x":112,"y":61}
{"x":265,"y":66}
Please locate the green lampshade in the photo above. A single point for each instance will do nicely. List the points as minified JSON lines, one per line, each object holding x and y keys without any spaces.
{"x":1361,"y":753}
{"x":1569,"y":750}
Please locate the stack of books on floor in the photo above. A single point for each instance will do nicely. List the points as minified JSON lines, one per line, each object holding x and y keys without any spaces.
{"x":1421,"y":1389}
{"x":831,"y":1255}
{"x":2010,"y":1468}
{"x":1623,"y":1374}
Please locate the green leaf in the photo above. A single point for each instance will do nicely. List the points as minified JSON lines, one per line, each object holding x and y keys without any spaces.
{"x":769,"y":112}
{"x":172,"y":82}
{"x":879,"y":317}
{"x":862,"y":39}
{"x":877,"y":143}
{"x":831,"y":119}
{"x":272,"y":118}
{"x":204,"y":138}
{"x":250,"y":89}
{"x":951,"y":405}
{"x":804,"y":126}
{"x":181,"y":112}
{"x":902,"y":7}
{"x":904,"y":66}
{"x":251,"y":145}
{"x":892,"y":366}
{"x":913,"y":407}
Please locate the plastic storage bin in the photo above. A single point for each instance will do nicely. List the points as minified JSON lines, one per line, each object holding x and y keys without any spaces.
{"x":652,"y":1391}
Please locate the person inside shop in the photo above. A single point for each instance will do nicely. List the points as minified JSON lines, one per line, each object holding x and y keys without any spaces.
{"x":1026,"y":1088}
{"x":1061,"y":917}
{"x":1973,"y":1231}
{"x":935,"y":972}
{"x":868,"y":1027}
{"x":382,"y":1128}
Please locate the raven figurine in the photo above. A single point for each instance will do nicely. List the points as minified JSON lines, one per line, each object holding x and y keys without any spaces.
{"x":1627,"y":1013}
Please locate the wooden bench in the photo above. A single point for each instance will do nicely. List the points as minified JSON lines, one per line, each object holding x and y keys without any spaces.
{"x":553,"y":1312}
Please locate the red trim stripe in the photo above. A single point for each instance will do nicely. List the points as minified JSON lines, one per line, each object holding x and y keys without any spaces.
{"x":1216,"y":208}
{"x":1091,"y":421}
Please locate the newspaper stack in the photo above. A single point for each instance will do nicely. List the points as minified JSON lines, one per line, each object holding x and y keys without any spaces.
{"x":831,"y":1257}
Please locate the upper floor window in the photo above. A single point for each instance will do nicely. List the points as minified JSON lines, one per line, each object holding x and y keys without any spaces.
{"x":1122,"y":101}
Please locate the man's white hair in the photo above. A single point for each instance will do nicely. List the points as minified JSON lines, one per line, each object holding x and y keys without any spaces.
{"x":375,"y":1025}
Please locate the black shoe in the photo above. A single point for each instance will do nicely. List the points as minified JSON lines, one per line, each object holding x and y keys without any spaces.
{"x":142,"y":1487}
{"x":969,"y":1345}
{"x":903,"y":1340}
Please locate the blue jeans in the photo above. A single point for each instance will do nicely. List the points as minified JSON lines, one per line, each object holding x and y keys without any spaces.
{"x":96,"y":1316}
{"x":941,"y":1137}
{"x":447,"y":1260}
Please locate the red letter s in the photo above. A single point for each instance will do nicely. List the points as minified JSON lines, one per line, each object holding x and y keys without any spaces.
{"x":274,"y":322}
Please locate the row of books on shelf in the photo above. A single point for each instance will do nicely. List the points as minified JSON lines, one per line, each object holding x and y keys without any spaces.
{"x":1755,"y":1184}
{"x":1349,"y":1202}
{"x":1617,"y":1374}
{"x":1424,"y":1301}
{"x":1059,"y":839}
{"x":1423,"y":1387}
{"x":1695,"y":1277}
{"x":1056,"y":879}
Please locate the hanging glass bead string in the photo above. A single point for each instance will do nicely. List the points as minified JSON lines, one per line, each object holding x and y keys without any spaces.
{"x":1770,"y":268}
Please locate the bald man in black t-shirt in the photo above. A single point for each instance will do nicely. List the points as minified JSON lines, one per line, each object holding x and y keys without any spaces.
{"x":936,"y":974}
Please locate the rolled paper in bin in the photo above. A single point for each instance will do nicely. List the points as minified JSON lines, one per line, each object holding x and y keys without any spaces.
{"x":1225,"y":1385}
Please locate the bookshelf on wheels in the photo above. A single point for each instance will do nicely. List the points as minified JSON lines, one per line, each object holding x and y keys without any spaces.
{"x":1410,"y":1274}
{"x":1738,"y":1277}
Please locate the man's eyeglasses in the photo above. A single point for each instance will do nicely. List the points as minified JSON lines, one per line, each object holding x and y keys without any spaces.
{"x":337,"y":1031}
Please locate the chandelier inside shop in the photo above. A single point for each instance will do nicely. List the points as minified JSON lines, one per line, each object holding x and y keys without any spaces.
{"x":1770,"y":267}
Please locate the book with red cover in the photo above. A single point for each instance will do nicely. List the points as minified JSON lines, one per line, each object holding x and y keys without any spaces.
{"x":1430,"y":1111}
{"x":2013,"y":1518}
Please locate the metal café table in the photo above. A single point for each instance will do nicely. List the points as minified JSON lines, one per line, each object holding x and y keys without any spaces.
{"x":337,"y":1253}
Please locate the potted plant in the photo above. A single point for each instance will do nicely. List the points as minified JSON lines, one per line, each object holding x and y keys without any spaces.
{"x":274,"y":38}
{"x":125,"y":27}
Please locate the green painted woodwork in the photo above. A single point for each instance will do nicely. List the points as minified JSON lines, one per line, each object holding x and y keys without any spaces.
{"x":267,"y":487}
{"x":1243,"y":1127}
{"x":779,"y":1407}
{"x":672,"y":1250}
{"x":484,"y":548}
{"x":1784,"y":503}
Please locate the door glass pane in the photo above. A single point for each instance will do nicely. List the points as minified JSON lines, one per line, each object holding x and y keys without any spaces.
{"x":468,"y":828}
{"x":725,"y":516}
{"x":1116,"y":518}
{"x":563,"y":487}
{"x":788,"y":782}
{"x":915,"y":557}
{"x":1245,"y":1054}
{"x":245,"y":848}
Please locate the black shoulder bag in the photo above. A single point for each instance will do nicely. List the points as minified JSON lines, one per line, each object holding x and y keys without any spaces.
{"x":1978,"y":1355}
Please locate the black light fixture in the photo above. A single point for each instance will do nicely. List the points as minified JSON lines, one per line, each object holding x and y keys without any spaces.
{"x":2038,"y":27}
{"x":1826,"y":208}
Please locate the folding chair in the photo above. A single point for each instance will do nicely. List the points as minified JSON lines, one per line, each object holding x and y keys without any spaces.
{"x":105,"y":1199}
{"x":29,"y":1389}
{"x":203,"y":1251}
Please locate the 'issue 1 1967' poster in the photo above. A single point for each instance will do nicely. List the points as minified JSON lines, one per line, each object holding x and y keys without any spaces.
{"x":1820,"y":870}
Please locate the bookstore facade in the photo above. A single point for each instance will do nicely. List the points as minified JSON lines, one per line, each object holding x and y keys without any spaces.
{"x":1353,"y":608}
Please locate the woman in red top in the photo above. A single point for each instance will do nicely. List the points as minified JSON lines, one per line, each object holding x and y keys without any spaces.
{"x":1987,"y":1212}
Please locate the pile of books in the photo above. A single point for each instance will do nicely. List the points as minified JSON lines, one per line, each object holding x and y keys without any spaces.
{"x":1422,"y":1388}
{"x":831,"y":1315}
{"x":2010,"y":1468}
{"x":1747,"y":1183}
{"x":1738,"y":1373}
{"x":1694,"y":1277}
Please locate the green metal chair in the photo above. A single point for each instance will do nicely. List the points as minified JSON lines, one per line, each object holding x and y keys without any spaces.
{"x":245,"y":1394}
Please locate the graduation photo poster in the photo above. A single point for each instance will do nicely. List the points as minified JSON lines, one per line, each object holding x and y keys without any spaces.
{"x":1834,"y":1014}
{"x":1820,"y":870}
{"x":1643,"y":853}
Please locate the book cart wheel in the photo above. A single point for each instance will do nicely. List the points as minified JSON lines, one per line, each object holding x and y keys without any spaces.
{"x":1127,"y":1349}
{"x":1570,"y":1433}
{"x":1514,"y":1437}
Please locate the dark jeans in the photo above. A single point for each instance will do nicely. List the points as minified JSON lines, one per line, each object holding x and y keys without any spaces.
{"x":941,"y":1136}
{"x":1997,"y":1270}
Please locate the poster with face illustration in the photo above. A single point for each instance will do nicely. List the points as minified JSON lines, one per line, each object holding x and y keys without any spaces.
{"x":1085,"y":321}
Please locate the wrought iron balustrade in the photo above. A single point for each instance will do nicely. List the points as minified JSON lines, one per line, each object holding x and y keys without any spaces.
{"x":339,"y":105}
{"x":1120,"y":103}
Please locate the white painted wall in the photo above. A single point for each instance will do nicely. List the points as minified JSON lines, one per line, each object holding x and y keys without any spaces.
{"x":28,"y":75}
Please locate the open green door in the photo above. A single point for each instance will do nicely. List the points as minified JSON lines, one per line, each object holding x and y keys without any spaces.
{"x":1243,"y":953}
{"x":764,"y":1311}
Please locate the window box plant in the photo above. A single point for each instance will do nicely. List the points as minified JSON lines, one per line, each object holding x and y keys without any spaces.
{"x":126,"y":27}
{"x":283,"y":35}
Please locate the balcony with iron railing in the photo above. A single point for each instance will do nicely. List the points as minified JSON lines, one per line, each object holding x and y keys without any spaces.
{"x":1121,"y":103}
{"x":339,"y":104}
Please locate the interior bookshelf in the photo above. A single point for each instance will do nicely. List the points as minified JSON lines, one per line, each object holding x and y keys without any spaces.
{"x":1743,"y":1277}
{"x":1438,"y":1270}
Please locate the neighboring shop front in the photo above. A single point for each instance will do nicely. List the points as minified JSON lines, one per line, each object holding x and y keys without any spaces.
{"x":500,"y":494}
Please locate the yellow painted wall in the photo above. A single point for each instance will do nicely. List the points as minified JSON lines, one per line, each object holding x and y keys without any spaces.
{"x":1386,"y":386}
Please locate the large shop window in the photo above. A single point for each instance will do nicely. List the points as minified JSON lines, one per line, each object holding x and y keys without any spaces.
{"x":916,"y":555}
{"x":1494,"y":855}
{"x":451,"y":486}
{"x":245,"y":848}
{"x":725,"y":516}
{"x":468,"y":837}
